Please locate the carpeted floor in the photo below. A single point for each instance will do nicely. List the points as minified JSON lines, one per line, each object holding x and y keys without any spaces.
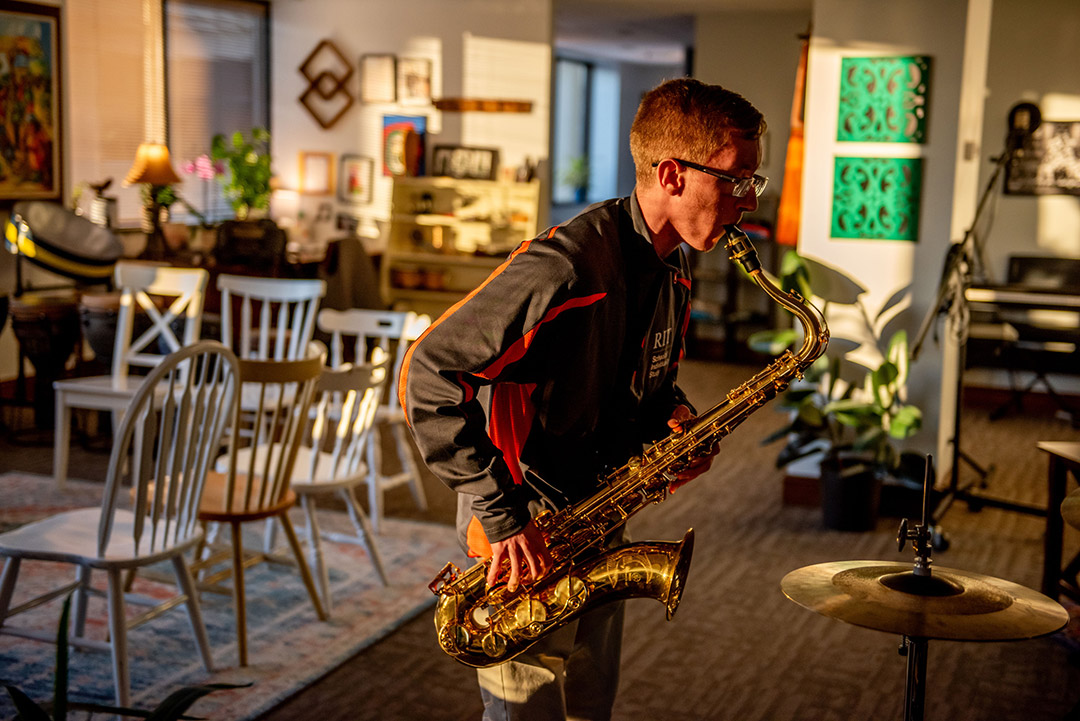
{"x":289,"y":648}
{"x":738,"y":650}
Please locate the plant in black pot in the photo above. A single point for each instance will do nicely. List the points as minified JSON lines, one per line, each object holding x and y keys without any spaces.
{"x":847,"y":414}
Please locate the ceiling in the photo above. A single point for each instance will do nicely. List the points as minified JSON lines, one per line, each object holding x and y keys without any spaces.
{"x":643,"y":31}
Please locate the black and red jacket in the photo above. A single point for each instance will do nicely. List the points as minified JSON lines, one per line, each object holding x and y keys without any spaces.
{"x":559,"y":366}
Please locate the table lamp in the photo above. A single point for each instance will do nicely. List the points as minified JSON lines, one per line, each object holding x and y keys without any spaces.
{"x":152,"y":167}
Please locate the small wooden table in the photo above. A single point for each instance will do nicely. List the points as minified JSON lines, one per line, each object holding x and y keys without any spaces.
{"x":1064,"y":459}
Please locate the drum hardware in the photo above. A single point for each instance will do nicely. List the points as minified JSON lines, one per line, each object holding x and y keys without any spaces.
{"x":923,"y":604}
{"x":1070,"y":507}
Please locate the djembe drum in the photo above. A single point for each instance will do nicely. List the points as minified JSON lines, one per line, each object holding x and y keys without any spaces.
{"x":47,"y":328}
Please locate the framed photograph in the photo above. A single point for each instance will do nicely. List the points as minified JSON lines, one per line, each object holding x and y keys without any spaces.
{"x":355,"y":178}
{"x":30,"y":163}
{"x":414,"y":80}
{"x":316,"y":173}
{"x":456,"y":161}
{"x":378,"y":78}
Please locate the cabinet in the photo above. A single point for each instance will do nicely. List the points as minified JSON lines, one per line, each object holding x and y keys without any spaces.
{"x":447,"y":235}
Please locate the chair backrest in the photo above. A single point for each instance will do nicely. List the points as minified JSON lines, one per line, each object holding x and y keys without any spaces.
{"x":168,"y":440}
{"x":358,"y":331}
{"x":283,"y":391}
{"x":276,"y":315}
{"x":342,"y":416}
{"x":138,"y":283}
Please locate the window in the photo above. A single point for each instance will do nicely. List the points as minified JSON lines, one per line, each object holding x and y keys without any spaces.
{"x":217,"y":72}
{"x":176,"y":71}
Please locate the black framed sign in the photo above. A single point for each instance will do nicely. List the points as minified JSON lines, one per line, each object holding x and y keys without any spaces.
{"x":457,"y":161}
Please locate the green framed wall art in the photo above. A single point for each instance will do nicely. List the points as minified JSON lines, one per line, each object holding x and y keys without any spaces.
{"x":876,"y":198}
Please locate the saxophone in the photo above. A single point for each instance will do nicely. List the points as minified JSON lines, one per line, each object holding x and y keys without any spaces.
{"x":481,"y":627}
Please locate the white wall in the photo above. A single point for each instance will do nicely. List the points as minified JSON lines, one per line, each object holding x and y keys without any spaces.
{"x":756,"y":54}
{"x":916,"y":27}
{"x":478,"y":48}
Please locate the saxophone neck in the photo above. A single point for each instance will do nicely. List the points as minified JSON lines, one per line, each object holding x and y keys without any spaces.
{"x":815,"y":329}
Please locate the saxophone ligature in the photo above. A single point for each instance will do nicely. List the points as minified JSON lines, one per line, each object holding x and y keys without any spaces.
{"x":481,"y":627}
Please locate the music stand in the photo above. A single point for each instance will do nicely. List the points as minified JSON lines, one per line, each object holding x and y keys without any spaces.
{"x":951,"y":299}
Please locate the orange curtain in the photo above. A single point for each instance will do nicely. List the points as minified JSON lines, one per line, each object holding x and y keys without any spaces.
{"x":787,"y":216}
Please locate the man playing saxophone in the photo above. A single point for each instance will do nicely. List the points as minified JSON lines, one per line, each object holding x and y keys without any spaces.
{"x":563,"y":363}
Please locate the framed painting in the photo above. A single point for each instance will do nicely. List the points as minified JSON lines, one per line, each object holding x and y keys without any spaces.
{"x":30,"y":163}
{"x":355,"y":179}
{"x":414,"y":81}
{"x":316,"y":173}
{"x":403,"y":145}
{"x":378,"y":78}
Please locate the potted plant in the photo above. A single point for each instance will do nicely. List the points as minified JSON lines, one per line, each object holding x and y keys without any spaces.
{"x":247,"y":184}
{"x":846,"y":414}
{"x":576,"y":176}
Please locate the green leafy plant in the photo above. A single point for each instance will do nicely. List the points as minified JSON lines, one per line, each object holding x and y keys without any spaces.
{"x":842,"y":406}
{"x":172,"y":708}
{"x":247,"y":184}
{"x":576,"y":174}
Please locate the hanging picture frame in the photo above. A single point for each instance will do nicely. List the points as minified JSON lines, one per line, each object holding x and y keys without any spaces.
{"x":378,"y":78}
{"x":414,"y":81}
{"x":356,"y":176}
{"x":316,"y":173}
{"x":34,"y":129}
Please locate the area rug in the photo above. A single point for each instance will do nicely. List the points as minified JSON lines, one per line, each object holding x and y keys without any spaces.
{"x":288,"y":646}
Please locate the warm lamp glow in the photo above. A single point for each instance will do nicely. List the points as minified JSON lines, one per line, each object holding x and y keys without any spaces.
{"x":152,"y":166}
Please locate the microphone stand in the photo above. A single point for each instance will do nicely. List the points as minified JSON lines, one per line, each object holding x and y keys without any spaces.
{"x":951,"y":297}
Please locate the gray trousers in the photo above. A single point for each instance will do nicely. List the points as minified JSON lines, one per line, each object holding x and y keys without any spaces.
{"x":571,"y":674}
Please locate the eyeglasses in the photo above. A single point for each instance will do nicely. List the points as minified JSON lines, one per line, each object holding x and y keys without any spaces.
{"x":742,"y":185}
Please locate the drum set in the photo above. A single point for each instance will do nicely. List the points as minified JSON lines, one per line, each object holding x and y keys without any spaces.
{"x":46,"y":320}
{"x":922,"y":603}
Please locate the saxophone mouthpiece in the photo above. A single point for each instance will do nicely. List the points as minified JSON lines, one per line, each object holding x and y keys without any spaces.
{"x":742,"y":249}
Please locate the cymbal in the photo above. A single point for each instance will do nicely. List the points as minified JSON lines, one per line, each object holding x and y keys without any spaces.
{"x":1070,"y":509}
{"x":949,"y":604}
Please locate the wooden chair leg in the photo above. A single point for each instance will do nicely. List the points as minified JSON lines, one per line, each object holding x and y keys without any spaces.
{"x":364,"y":533}
{"x":61,"y":440}
{"x":409,"y":466}
{"x":7,"y":586}
{"x":118,"y":638}
{"x":187,"y":585}
{"x":238,"y":594}
{"x":78,"y":610}
{"x":305,"y":573}
{"x":374,"y":480}
{"x":315,"y":554}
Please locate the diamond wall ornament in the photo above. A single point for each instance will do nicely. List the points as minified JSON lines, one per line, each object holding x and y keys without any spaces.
{"x":883,"y":99}
{"x":876,"y":198}
{"x":327,"y":71}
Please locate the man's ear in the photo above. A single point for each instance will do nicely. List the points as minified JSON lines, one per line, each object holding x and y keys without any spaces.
{"x":669,"y":176}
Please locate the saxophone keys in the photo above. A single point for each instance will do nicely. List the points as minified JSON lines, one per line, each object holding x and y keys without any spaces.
{"x":494,"y":645}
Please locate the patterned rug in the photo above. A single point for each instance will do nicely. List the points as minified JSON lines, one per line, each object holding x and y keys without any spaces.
{"x":288,"y":647}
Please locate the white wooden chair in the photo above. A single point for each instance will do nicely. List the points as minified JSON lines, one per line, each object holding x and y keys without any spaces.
{"x":255,"y":487}
{"x":137,"y":283}
{"x":276,"y":315}
{"x":361,"y":330}
{"x":168,"y":439}
{"x":331,"y":459}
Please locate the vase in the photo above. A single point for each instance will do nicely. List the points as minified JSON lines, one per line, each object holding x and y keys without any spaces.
{"x":850,"y":494}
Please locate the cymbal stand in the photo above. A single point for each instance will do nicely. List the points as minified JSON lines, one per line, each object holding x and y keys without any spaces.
{"x":915,"y":647}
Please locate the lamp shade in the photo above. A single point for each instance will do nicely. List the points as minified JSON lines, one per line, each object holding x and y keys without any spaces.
{"x":152,"y":166}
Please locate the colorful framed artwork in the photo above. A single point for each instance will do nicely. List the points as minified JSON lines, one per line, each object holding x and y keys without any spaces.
{"x":30,"y":93}
{"x":378,"y":78}
{"x":414,"y":80}
{"x":883,"y":99}
{"x":316,"y":173}
{"x":876,"y":198}
{"x":456,"y":161}
{"x":403,"y":145}
{"x":355,"y":178}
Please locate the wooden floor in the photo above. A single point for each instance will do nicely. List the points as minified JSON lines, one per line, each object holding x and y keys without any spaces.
{"x":734,"y":630}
